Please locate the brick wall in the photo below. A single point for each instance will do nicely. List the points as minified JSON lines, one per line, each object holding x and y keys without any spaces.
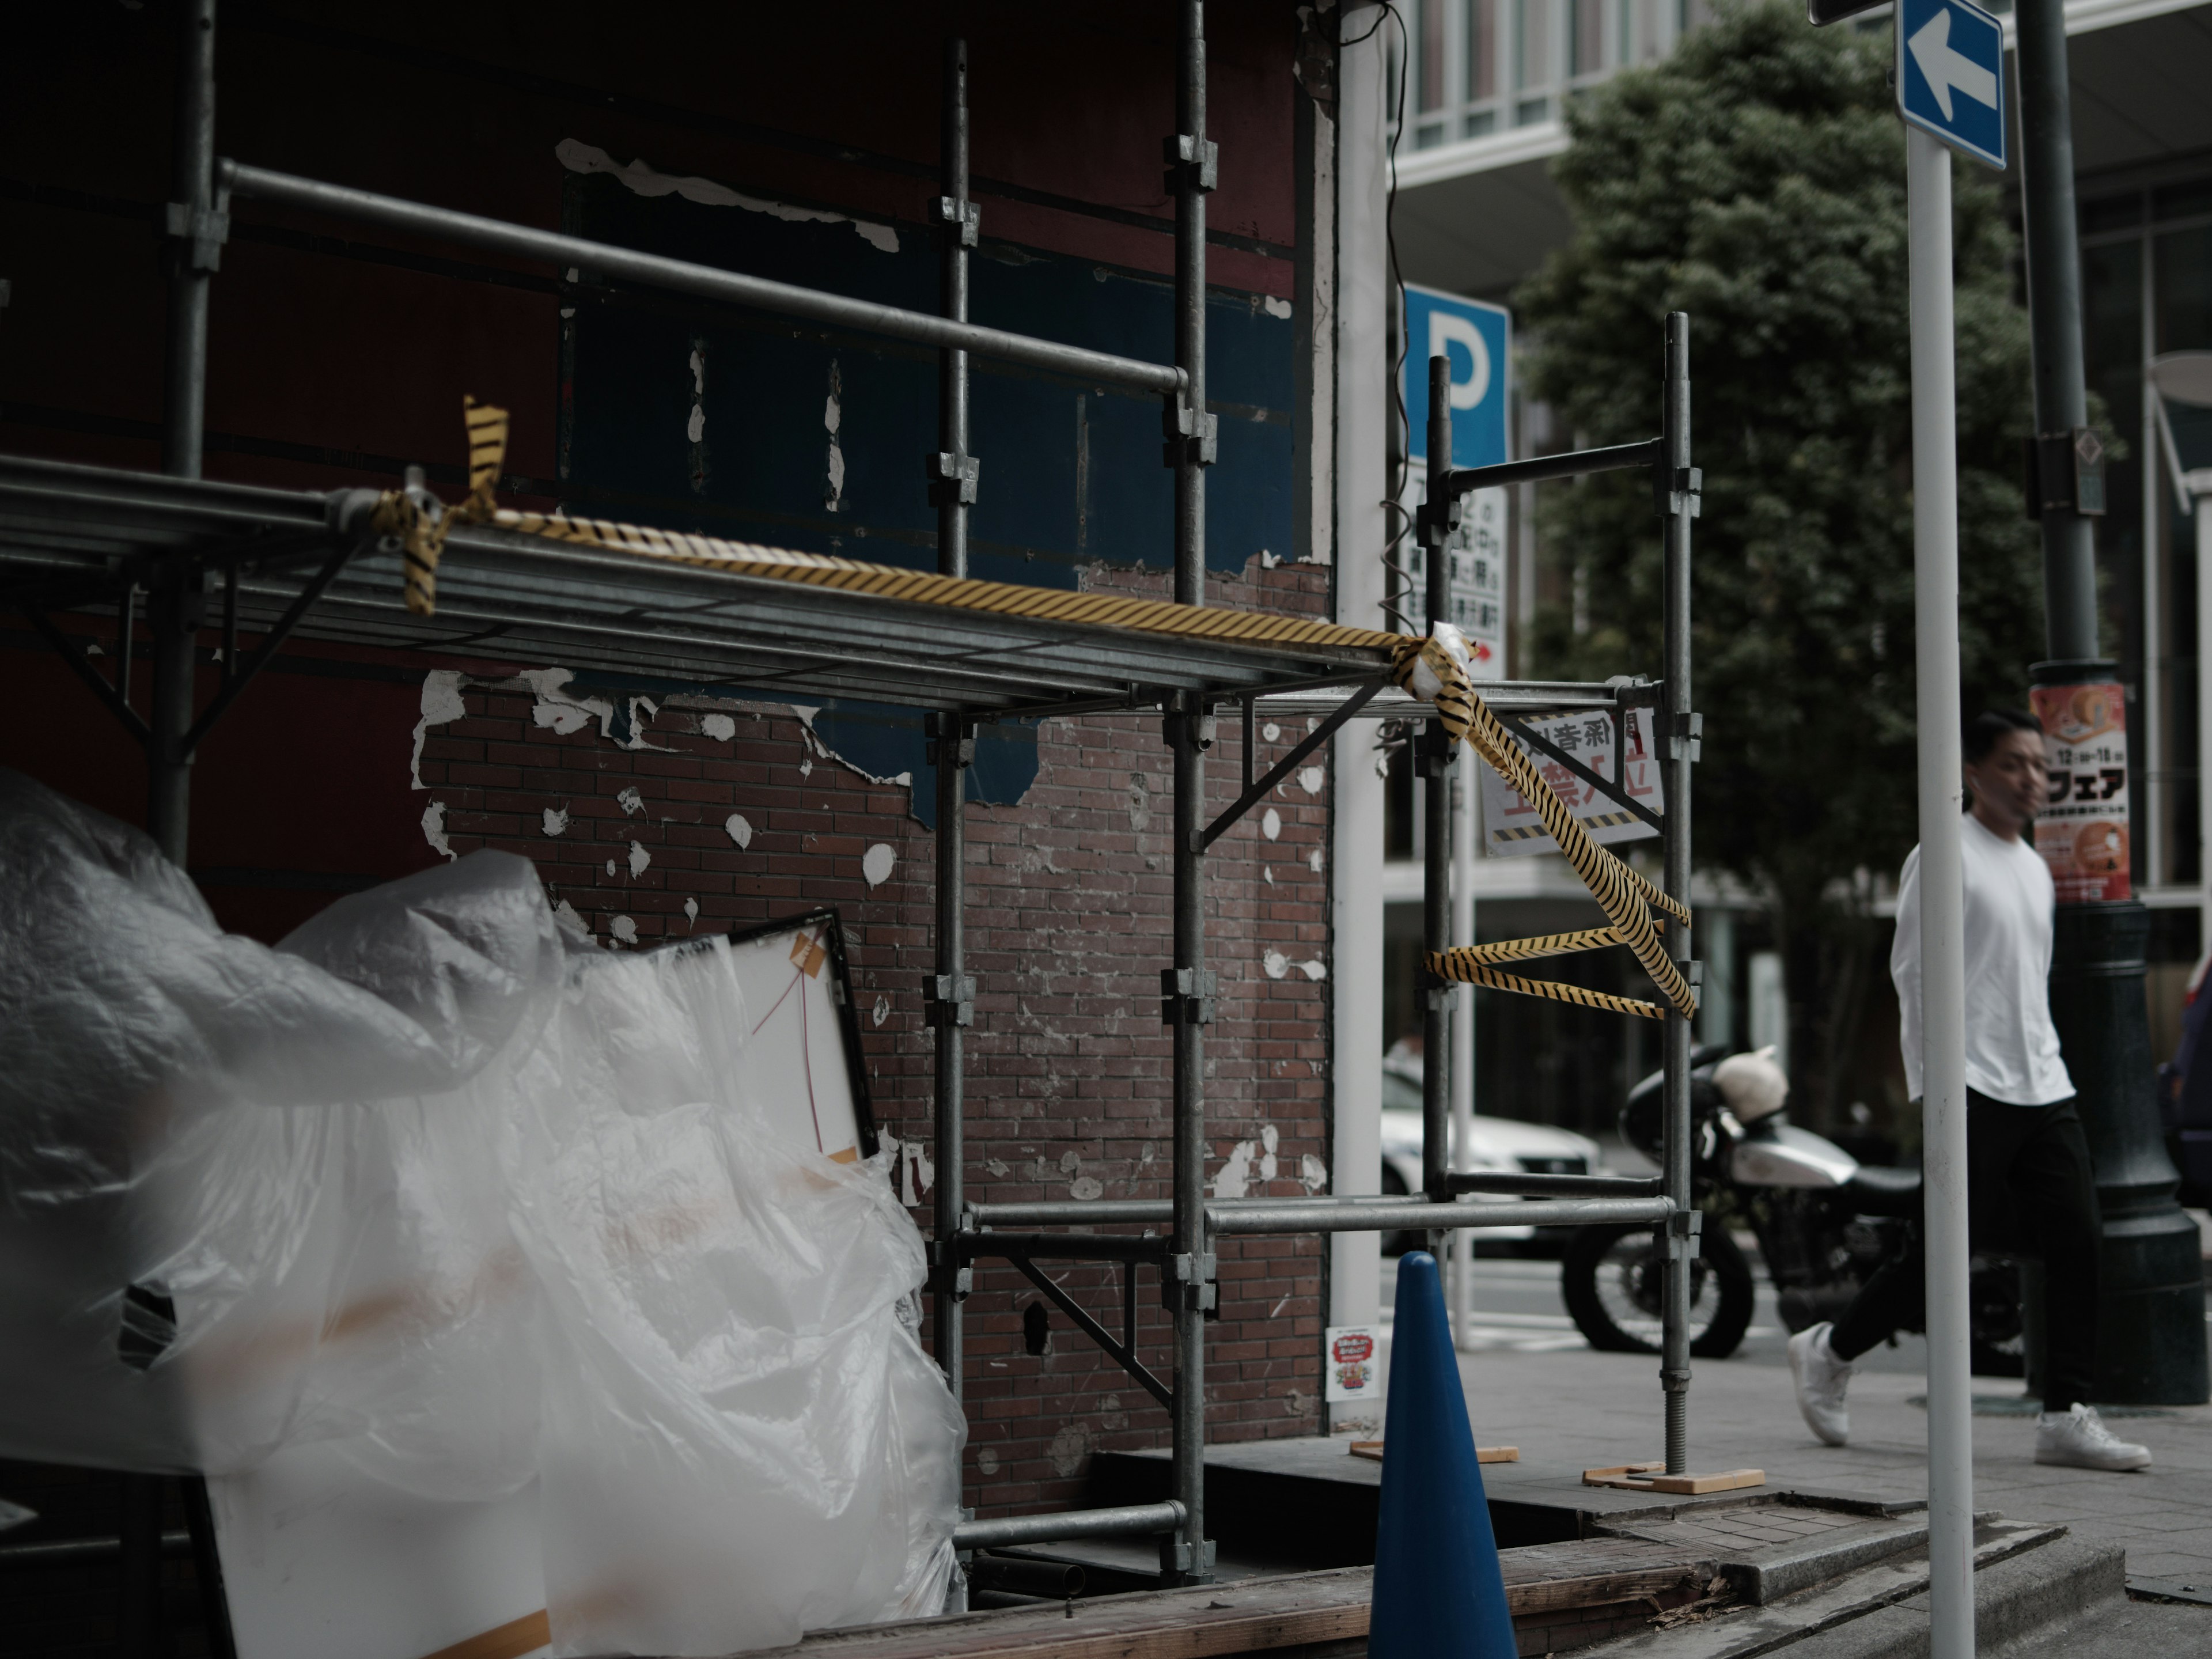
{"x":1068,"y":926}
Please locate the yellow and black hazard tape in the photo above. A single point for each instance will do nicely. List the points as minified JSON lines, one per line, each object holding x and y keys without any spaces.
{"x":414,"y":517}
{"x":1605,"y":1002}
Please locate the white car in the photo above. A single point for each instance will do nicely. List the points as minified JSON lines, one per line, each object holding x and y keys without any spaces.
{"x":1498,"y":1143}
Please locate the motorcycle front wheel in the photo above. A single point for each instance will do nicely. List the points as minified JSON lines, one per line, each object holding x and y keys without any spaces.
{"x":1611,"y":1280}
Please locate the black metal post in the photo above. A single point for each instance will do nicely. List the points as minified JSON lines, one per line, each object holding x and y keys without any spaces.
{"x":1189,"y":1282}
{"x":952,"y":1000}
{"x":1678,"y":751}
{"x":2150,"y":1326}
{"x":1438,"y":514}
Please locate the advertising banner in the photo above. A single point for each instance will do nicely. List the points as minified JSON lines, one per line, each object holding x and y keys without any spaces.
{"x":1509,"y":824}
{"x":2083,"y":834}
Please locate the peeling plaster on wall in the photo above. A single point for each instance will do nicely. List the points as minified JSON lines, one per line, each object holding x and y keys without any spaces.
{"x":1070,"y":1162}
{"x":1236,"y":1174}
{"x":641,"y":176}
{"x":631,"y":801}
{"x":1267,"y":874}
{"x":883,"y":1010}
{"x":1068,"y":1450}
{"x":876,"y":863}
{"x":434,"y":829}
{"x":1310,"y":779}
{"x":912,"y":1172}
{"x":1276,"y":307}
{"x":1270,"y":733}
{"x":1271,"y":823}
{"x":995,"y":1166}
{"x":833,"y":414}
{"x":442,"y":703}
{"x":565,"y":713}
{"x":639,"y":860}
{"x":1313,"y":1174}
{"x":1270,"y":1139}
{"x":720,"y":727}
{"x":1274,"y":964}
{"x":610,"y":866}
{"x":1084,"y":1187}
{"x":740,"y":832}
{"x":692,"y":911}
{"x":623,"y":929}
{"x":1313,"y":861}
{"x":1269,"y":561}
{"x":806,"y":766}
{"x":1316,"y":970}
{"x":1141,"y":802}
{"x":565,"y":913}
{"x":556,"y":823}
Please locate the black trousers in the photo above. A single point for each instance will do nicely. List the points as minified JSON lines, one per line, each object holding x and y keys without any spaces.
{"x":2030,"y":1190}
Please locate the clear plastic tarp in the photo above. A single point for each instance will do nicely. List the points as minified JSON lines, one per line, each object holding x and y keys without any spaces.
{"x":457,"y":1196}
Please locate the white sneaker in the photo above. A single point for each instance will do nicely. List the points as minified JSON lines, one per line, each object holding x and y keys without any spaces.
{"x":1821,"y":1378}
{"x":2078,"y":1439}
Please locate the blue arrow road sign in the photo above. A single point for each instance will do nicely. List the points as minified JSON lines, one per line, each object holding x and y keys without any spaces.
{"x":1474,"y":338}
{"x":1950,"y":74}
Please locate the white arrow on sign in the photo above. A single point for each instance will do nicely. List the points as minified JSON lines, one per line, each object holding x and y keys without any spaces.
{"x":1946,"y":68}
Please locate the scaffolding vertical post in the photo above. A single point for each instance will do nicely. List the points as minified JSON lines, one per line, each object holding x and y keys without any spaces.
{"x":950,"y":1005}
{"x":1438,"y":514}
{"x":1678,"y":492}
{"x":1187,"y":1001}
{"x":195,"y":236}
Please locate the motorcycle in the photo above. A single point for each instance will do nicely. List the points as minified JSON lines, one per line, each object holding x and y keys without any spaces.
{"x":1824,"y":1222}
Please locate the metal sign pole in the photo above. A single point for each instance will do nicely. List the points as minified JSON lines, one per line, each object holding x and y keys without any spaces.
{"x":1466,"y":825}
{"x":1943,"y":941}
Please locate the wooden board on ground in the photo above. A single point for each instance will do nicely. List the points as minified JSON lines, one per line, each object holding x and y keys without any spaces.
{"x":1257,"y":1615}
{"x":1651,"y":1477}
{"x":1372,"y":1451}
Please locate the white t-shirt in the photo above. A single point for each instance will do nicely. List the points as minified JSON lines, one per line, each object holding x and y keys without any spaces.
{"x":2012,"y":1048}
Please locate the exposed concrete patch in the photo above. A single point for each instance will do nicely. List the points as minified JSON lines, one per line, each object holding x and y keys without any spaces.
{"x":441,"y":705}
{"x":740,"y":832}
{"x":639,"y":860}
{"x":1271,"y":823}
{"x":556,"y":822}
{"x":720,"y":727}
{"x":624,"y":928}
{"x":877,"y":862}
{"x":434,"y":829}
{"x":631,"y":801}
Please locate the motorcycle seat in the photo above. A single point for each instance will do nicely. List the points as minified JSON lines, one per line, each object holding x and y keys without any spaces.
{"x":1877,"y":1190}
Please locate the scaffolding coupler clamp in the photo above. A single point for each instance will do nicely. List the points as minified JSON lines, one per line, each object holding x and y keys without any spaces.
{"x":948,"y":999}
{"x":942,"y":729}
{"x":1683,"y":1230}
{"x":1677,"y":489}
{"x":963,"y":220}
{"x":1191,"y":435}
{"x":198,"y":233}
{"x":1202,"y":728}
{"x":1187,"y":995}
{"x":1436,"y":750}
{"x":948,"y":1274}
{"x":1193,"y":161}
{"x":952,"y":478}
{"x":1693,"y":733}
{"x":1434,"y":521}
{"x":1175,"y":1556}
{"x":1188,"y":1281}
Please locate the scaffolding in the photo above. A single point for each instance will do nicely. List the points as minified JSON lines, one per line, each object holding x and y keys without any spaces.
{"x":309,"y":565}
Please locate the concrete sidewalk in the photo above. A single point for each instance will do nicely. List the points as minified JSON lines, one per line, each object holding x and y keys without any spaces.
{"x":1581,"y":1409}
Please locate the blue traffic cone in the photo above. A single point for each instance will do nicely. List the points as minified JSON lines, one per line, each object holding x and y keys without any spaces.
{"x":1439,"y":1594}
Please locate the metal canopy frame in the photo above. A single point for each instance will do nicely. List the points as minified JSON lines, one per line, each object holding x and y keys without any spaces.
{"x":78,"y":539}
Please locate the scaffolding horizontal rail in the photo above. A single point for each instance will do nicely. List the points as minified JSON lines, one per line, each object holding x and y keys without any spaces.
{"x":1571,"y":465}
{"x":1419,"y":1214}
{"x":1114,"y":1212}
{"x":1068,"y":1247}
{"x":681,"y":276}
{"x":1534,"y":1185}
{"x":1127,"y":1520}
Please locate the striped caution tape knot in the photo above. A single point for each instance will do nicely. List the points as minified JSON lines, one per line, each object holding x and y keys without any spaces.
{"x":1426,"y":669}
{"x":419,"y":522}
{"x":1465,"y":973}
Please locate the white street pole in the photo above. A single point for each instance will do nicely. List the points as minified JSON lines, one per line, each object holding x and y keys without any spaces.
{"x":1464,"y":831}
{"x":2200,"y":485}
{"x":1942,"y":943}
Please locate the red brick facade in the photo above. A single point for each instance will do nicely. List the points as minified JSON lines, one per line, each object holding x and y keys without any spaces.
{"x":1069,"y":928}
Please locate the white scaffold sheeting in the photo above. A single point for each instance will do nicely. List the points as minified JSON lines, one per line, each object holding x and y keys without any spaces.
{"x":444,"y":1199}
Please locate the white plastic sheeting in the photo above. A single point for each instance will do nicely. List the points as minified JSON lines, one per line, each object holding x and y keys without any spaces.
{"x":473,"y":1202}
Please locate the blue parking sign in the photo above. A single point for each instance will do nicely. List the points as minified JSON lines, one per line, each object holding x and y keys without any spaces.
{"x":1475,"y":338}
{"x":1950,"y":74}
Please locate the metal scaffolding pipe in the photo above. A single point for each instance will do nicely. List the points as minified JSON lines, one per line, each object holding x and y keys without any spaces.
{"x":1436,"y":749}
{"x":1125,"y":1521}
{"x":680,"y":277}
{"x":1416,"y":1213}
{"x":1677,"y":750}
{"x":951,"y":1002}
{"x":1065,"y":1247}
{"x":1189,"y":1275}
{"x":1562,"y":1186}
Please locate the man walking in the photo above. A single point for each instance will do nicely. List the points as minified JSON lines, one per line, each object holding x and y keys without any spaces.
{"x":2029,"y":1181}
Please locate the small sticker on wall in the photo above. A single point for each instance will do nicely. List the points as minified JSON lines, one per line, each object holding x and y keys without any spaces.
{"x":1352,"y":1361}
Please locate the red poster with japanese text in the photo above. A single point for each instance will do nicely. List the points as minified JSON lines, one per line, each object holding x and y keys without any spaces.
{"x":2083,"y":833}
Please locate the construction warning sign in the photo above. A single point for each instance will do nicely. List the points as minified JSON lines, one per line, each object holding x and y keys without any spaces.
{"x":2083,"y":834}
{"x":1509,"y":824}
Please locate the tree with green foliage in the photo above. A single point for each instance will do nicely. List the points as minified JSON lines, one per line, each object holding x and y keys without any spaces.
{"x":1756,"y":181}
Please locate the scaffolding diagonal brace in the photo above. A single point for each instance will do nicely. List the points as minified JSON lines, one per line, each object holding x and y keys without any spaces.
{"x":239,"y":677}
{"x":1259,"y":791}
{"x":1519,"y":729}
{"x":1123,"y":1357}
{"x":73,"y":654}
